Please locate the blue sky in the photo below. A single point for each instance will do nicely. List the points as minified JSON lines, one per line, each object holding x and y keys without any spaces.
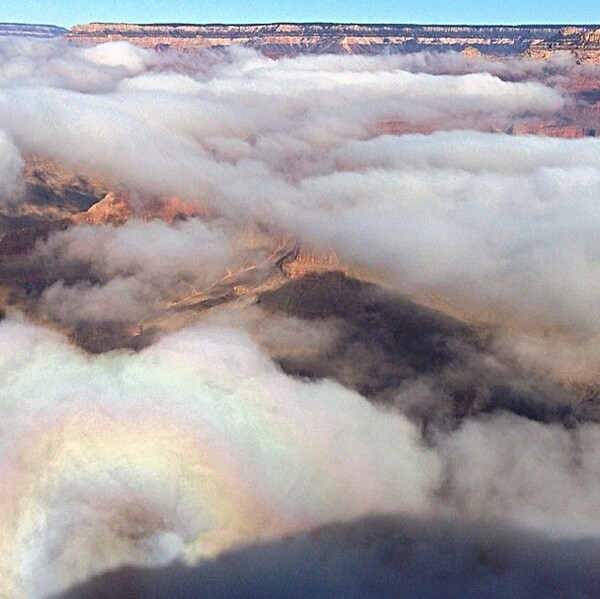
{"x":69,"y":12}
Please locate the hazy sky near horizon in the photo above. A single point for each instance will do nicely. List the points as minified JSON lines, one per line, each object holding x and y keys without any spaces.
{"x":69,"y":12}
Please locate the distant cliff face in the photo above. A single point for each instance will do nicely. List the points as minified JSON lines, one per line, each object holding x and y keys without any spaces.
{"x":40,"y":31}
{"x":284,"y":38}
{"x":585,"y":45}
{"x":281,"y":39}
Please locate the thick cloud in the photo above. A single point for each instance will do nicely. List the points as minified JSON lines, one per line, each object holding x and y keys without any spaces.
{"x":11,"y":167}
{"x":181,"y":450}
{"x":497,"y":223}
{"x":121,"y":300}
{"x":539,"y":475}
{"x":199,"y":442}
{"x":154,"y":251}
{"x":180,"y":120}
{"x":508,"y":218}
{"x":32,"y":63}
{"x":135,"y":266}
{"x":266,"y":140}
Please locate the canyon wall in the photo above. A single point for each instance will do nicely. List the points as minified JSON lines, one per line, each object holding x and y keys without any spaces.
{"x":287,"y":38}
{"x":281,"y":39}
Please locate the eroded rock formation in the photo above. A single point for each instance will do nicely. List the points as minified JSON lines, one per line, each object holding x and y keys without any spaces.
{"x":292,"y":38}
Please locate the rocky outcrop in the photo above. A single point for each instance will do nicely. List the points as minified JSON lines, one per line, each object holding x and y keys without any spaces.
{"x":56,"y":188}
{"x":20,"y":241}
{"x":118,"y":207}
{"x":52,"y":193}
{"x":113,"y":209}
{"x":293,"y":38}
{"x":584,"y":43}
{"x":552,"y":130}
{"x":302,"y":263}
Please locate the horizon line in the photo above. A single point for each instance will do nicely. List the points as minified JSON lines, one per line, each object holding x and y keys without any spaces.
{"x":360,"y":23}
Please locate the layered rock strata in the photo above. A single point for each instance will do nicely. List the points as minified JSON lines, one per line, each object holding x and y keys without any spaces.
{"x":292,"y":38}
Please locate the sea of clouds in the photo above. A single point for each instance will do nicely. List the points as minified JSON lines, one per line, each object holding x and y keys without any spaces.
{"x":199,"y":445}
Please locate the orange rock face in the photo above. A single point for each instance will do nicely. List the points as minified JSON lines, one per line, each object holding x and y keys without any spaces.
{"x":400,"y":127}
{"x":550,"y":130}
{"x":113,"y":209}
{"x":583,"y":43}
{"x":303,"y":263}
{"x":118,"y":207}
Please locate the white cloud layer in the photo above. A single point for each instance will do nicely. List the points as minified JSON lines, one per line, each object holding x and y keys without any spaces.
{"x":199,"y":442}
